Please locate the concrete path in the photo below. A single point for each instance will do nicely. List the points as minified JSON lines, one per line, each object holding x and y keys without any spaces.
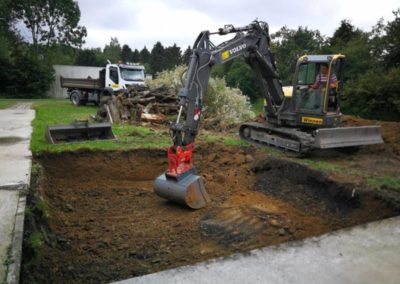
{"x":364,"y":254}
{"x":15,"y":169}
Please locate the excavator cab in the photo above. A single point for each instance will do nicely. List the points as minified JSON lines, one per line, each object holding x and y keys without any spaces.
{"x":318,"y":87}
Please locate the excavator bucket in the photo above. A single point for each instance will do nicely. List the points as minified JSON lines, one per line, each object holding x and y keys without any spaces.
{"x":180,"y":183}
{"x":348,"y":136}
{"x":189,"y":190}
{"x":78,"y":131}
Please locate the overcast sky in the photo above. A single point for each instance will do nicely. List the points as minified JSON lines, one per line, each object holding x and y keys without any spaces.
{"x":141,"y":23}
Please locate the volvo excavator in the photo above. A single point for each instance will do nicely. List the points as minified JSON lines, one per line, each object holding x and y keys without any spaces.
{"x":308,"y":118}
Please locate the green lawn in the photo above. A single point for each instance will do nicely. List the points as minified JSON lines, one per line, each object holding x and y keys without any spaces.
{"x":384,"y":182}
{"x":54,"y":112}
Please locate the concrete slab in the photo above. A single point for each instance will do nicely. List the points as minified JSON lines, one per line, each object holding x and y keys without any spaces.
{"x":15,"y":169}
{"x":15,"y":132}
{"x":15,"y":253}
{"x":364,"y":254}
{"x":15,"y":164}
{"x":13,"y":123}
{"x":8,"y":209}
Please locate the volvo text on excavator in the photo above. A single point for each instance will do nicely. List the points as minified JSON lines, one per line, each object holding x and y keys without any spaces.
{"x":308,"y":118}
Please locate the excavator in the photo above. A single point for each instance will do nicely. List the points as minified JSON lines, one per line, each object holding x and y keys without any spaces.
{"x":305,"y":118}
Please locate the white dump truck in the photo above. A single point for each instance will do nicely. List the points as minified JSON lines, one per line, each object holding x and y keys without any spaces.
{"x":112,"y":79}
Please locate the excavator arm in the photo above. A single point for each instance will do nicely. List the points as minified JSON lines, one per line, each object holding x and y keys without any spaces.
{"x":180,"y":182}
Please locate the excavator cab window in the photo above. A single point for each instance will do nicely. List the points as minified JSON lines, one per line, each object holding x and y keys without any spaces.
{"x":306,"y":98}
{"x":336,"y":86}
{"x":319,"y":86}
{"x":307,"y":73}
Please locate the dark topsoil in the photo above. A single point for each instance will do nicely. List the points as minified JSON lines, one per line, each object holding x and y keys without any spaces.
{"x":106,"y":224}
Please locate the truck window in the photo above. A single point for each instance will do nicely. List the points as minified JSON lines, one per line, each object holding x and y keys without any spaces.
{"x":114,"y":74}
{"x":130,"y":74}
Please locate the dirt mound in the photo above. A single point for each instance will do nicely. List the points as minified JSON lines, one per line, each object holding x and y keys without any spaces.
{"x":390,"y":133}
{"x":109,"y":225}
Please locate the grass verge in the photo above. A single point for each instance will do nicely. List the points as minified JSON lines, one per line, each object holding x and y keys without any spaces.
{"x":384,"y":182}
{"x":54,"y":112}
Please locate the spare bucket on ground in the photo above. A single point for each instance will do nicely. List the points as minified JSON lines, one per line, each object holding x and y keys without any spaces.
{"x":79,"y":131}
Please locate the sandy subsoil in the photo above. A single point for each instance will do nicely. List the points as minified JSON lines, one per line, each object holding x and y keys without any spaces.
{"x":109,"y":225}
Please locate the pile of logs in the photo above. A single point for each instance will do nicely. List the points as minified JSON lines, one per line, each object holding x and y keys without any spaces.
{"x":139,"y":103}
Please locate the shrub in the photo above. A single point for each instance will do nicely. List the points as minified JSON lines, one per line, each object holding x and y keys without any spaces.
{"x":222,"y":104}
{"x":375,"y":95}
{"x":25,"y":76}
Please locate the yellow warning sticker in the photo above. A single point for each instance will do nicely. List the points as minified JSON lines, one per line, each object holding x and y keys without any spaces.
{"x":312,"y":120}
{"x":225,"y":55}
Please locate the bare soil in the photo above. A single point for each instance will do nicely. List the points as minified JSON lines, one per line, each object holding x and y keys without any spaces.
{"x":390,"y":133}
{"x":108,"y":224}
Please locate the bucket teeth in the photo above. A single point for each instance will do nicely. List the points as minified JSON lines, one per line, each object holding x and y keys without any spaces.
{"x":189,"y":191}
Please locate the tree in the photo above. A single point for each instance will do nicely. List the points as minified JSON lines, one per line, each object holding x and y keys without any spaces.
{"x":145,"y":55}
{"x":172,"y":57}
{"x":375,"y":95}
{"x":24,"y":75}
{"x":136,"y":56}
{"x":288,"y":45}
{"x":392,"y":42}
{"x":157,"y":60}
{"x":7,"y":21}
{"x":86,"y":57}
{"x":344,"y":33}
{"x":241,"y":76}
{"x":356,"y":45}
{"x":51,"y":21}
{"x":57,"y":54}
{"x":112,"y":51}
{"x":186,"y":55}
{"x":126,"y":53}
{"x":358,"y":57}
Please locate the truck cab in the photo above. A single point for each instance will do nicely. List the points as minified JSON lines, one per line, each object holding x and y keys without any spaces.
{"x":121,"y":76}
{"x":112,"y":79}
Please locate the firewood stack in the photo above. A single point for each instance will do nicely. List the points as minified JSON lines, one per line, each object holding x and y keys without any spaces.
{"x":139,"y":103}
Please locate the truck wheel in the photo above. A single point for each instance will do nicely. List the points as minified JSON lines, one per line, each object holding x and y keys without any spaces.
{"x":75,"y":98}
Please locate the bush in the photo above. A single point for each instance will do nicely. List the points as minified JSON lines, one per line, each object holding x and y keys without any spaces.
{"x":375,"y":95}
{"x":241,"y":76}
{"x":170,"y":78}
{"x":25,"y":76}
{"x":222,"y":104}
{"x":227,"y":104}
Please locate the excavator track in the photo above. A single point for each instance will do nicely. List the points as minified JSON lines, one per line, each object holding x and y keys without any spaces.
{"x":301,"y":142}
{"x":281,"y":137}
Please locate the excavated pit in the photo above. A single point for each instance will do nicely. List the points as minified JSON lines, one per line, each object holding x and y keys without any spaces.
{"x":106,"y":223}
